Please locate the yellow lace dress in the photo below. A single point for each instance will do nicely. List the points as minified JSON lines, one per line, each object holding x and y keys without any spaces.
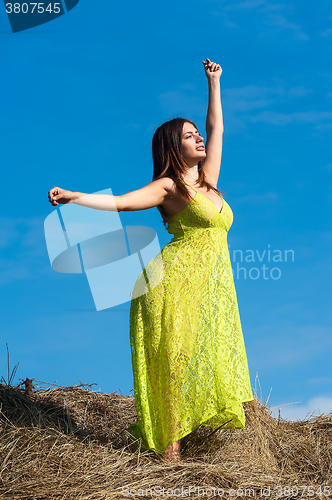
{"x":188,"y":353}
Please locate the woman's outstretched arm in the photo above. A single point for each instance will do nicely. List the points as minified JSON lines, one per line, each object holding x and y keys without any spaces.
{"x":214,"y":124}
{"x":149,"y":196}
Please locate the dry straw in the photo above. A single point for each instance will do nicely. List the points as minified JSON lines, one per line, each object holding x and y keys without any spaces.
{"x":71,"y":443}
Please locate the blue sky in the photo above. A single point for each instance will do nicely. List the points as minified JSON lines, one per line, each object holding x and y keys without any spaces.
{"x":81,"y":99}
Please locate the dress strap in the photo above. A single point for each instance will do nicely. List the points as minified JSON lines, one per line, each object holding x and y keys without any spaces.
{"x":214,"y":189}
{"x":189,"y":185}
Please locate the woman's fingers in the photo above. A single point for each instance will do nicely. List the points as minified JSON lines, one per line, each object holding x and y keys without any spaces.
{"x":59,"y":196}
{"x":212,"y":65}
{"x":53,"y":191}
{"x":53,"y":194}
{"x":62,"y":197}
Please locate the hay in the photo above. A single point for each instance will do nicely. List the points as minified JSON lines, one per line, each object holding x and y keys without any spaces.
{"x":70,"y":443}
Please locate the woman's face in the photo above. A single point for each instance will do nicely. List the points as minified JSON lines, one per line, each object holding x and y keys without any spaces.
{"x":192,"y":146}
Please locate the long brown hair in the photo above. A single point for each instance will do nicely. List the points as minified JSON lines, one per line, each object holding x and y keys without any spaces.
{"x":169,"y":162}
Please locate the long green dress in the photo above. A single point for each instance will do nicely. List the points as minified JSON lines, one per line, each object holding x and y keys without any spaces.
{"x":188,"y":353}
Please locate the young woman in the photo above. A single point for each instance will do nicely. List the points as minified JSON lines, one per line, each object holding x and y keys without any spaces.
{"x":188,"y":352}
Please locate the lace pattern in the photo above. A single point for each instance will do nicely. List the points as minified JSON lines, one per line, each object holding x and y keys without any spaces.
{"x":188,"y":353}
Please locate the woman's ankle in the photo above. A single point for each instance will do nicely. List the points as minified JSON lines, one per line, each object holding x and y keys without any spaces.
{"x":173,"y":451}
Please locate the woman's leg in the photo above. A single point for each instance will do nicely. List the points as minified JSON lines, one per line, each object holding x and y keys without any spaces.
{"x":173,"y":451}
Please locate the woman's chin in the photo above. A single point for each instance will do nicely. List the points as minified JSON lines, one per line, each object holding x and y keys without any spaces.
{"x":195,"y":159}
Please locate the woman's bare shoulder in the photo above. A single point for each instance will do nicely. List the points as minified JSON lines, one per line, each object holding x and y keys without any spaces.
{"x":169,"y":185}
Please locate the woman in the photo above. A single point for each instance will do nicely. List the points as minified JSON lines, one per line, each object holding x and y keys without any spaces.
{"x":188,"y":353}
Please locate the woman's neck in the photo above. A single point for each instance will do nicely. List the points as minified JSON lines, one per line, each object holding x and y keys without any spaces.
{"x":191,"y":176}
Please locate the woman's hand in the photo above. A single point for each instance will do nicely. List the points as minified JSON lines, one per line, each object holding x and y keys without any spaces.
{"x":212,"y":70}
{"x":58,"y":195}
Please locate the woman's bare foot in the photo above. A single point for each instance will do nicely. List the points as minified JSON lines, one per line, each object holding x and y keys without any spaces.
{"x":173,"y":452}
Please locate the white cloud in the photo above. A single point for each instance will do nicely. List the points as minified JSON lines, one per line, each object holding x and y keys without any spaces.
{"x":258,"y":199}
{"x":316,"y":406}
{"x":292,"y":346}
{"x":320,"y":380}
{"x":188,"y":86}
{"x":272,"y":15}
{"x":9,"y":231}
{"x":327,"y":32}
{"x":299,"y":91}
{"x":320,"y":119}
{"x":272,"y":7}
{"x":280,"y":21}
{"x":240,"y":103}
{"x":176,"y":102}
{"x":253,"y":92}
{"x":247,"y":5}
{"x":23,"y":243}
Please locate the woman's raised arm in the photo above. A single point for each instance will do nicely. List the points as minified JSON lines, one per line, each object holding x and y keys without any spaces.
{"x":149,"y":196}
{"x":214,"y":124}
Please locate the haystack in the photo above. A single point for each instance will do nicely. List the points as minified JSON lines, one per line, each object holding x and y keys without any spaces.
{"x":71,"y":443}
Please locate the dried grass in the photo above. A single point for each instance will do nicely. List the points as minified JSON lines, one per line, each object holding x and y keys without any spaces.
{"x":70,"y":443}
